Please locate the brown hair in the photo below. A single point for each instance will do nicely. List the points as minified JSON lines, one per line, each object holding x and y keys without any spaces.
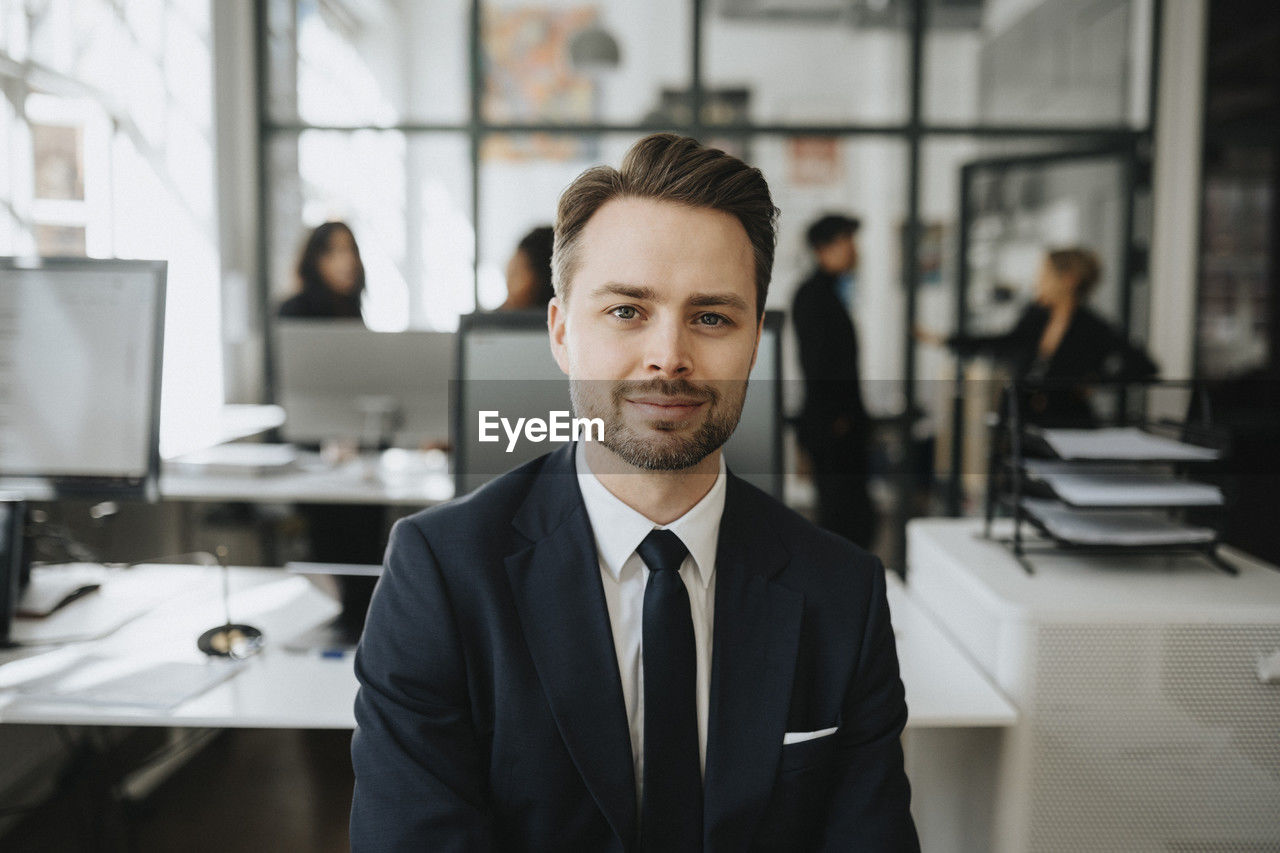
{"x":1082,"y":265}
{"x":667,"y":167}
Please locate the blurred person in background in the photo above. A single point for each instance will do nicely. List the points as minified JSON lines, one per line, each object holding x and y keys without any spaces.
{"x":1059,"y":344}
{"x":330,"y":275}
{"x":833,"y":427}
{"x":529,"y":272}
{"x":331,"y":282}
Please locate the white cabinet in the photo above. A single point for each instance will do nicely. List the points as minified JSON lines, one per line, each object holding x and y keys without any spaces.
{"x":1143,"y":724}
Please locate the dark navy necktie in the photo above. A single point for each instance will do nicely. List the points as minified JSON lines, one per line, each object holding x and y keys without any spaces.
{"x":671,"y":807}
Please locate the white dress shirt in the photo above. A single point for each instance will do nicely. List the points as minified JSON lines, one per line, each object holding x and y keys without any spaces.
{"x":618,"y":530}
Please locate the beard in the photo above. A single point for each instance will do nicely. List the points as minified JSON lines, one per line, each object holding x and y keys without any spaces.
{"x":656,"y":444}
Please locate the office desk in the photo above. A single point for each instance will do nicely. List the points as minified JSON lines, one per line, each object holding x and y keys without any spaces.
{"x":944,"y":688}
{"x":283,"y":689}
{"x":954,"y":709}
{"x":395,"y":478}
{"x":274,"y":689}
{"x":955,"y":716}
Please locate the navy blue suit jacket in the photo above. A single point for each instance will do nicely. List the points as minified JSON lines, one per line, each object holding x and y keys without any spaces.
{"x":490,"y":713}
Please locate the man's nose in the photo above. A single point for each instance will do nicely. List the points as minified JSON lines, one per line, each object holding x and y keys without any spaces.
{"x":667,"y":352}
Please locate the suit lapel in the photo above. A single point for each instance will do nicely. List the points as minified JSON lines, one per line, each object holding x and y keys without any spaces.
{"x":756,"y":637}
{"x":558,"y":594}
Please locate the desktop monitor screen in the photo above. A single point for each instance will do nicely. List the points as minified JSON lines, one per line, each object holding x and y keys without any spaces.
{"x":339,"y":380}
{"x":505,"y":365}
{"x":12,"y":514}
{"x":80,"y":363}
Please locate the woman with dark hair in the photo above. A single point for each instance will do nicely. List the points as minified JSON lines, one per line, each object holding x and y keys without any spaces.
{"x":1059,"y":343}
{"x":330,"y":283}
{"x":330,"y":275}
{"x":529,"y":272}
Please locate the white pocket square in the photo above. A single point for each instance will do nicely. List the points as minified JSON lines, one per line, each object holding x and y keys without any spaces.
{"x":801,"y":737}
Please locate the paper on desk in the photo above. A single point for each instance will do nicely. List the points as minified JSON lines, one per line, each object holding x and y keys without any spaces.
{"x":64,"y":677}
{"x":1120,"y":486}
{"x":1114,"y":527}
{"x":1122,"y":443}
{"x":239,"y":458}
{"x":126,"y":594}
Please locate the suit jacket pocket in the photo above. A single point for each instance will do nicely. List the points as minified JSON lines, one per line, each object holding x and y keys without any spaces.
{"x":809,"y":752}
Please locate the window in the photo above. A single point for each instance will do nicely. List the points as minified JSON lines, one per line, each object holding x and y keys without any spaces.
{"x":107,"y":120}
{"x":867,"y":107}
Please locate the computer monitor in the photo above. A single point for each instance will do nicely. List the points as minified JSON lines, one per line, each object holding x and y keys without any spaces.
{"x":339,"y":380}
{"x":505,"y":365}
{"x":81,"y":344}
{"x":12,"y":563}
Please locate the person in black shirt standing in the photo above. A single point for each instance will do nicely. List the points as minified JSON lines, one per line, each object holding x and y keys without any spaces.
{"x":834,"y":428}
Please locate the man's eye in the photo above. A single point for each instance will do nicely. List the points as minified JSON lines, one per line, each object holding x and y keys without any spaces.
{"x":625,"y":312}
{"x":713,"y":320}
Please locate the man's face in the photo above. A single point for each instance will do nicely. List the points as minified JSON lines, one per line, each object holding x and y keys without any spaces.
{"x":659,"y":332}
{"x":840,"y":255}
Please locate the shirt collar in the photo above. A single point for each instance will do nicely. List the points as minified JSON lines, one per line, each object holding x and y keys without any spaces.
{"x":618,"y":529}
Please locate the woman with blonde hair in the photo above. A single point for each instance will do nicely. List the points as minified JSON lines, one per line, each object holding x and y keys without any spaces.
{"x":1059,"y":343}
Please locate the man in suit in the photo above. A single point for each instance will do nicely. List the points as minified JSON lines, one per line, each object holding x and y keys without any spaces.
{"x":620,"y":646}
{"x":834,"y":428}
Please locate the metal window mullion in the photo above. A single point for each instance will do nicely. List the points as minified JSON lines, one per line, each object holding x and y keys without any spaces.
{"x":910,"y":275}
{"x":262,"y":249}
{"x":475,"y":131}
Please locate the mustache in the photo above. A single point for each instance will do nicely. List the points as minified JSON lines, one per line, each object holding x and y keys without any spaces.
{"x":682,"y":388}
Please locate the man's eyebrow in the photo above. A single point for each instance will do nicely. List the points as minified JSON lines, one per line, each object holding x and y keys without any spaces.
{"x":713,"y":300}
{"x":630,"y":291}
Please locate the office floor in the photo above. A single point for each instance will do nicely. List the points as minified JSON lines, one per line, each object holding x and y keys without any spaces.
{"x":249,"y":790}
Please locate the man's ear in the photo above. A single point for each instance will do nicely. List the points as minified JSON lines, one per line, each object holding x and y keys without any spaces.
{"x":557,"y":318}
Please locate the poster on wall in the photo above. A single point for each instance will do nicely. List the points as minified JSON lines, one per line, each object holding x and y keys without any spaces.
{"x":529,"y":77}
{"x":814,"y":161}
{"x":58,"y":161}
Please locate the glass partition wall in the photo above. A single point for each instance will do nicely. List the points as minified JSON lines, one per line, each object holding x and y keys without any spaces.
{"x":444,"y":131}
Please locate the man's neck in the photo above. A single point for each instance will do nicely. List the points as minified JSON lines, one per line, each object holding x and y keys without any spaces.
{"x":660,"y":496}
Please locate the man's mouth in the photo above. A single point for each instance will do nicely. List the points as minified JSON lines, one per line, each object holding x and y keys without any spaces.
{"x":666,"y":407}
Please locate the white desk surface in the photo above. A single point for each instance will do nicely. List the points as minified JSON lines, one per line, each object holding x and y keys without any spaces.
{"x":275,"y":689}
{"x":944,"y":688}
{"x":283,"y":689}
{"x":1126,"y":587}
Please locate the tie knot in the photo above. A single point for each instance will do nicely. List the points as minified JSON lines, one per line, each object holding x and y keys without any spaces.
{"x":662,"y":551}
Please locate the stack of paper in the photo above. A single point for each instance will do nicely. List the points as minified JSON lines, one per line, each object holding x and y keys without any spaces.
{"x":248,"y":459}
{"x":1114,"y":527}
{"x":1123,"y":443}
{"x":1120,"y":486}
